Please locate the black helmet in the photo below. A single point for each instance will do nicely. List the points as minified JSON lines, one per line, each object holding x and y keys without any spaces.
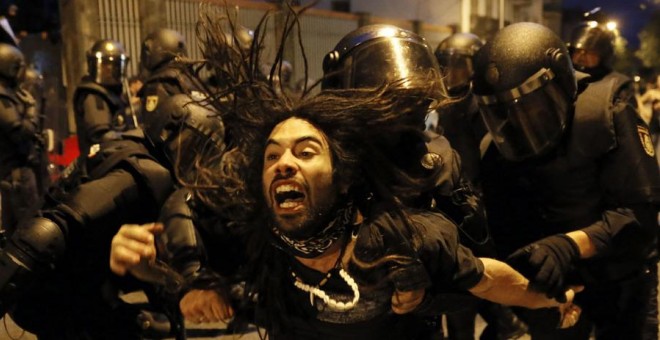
{"x":525,"y":84}
{"x":107,"y":62}
{"x":595,"y":38}
{"x":160,"y":47}
{"x":455,"y":55}
{"x":373,"y":55}
{"x":181,"y":128}
{"x":12,"y":64}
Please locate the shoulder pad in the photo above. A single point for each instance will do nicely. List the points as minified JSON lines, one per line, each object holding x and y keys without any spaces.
{"x":177,"y":74}
{"x":592,"y":130}
{"x":91,"y":87}
{"x":164,"y":73}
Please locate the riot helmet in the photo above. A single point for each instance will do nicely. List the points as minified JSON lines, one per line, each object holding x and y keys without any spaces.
{"x":592,"y":48}
{"x":373,"y":55}
{"x":525,"y":85}
{"x":455,"y":55}
{"x":160,"y":47}
{"x":107,"y":62}
{"x":181,"y":128}
{"x":12,"y":64}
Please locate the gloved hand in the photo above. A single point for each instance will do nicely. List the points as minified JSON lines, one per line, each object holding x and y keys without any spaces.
{"x":546,"y":262}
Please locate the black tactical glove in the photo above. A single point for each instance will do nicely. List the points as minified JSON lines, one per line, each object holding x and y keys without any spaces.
{"x":546,"y":262}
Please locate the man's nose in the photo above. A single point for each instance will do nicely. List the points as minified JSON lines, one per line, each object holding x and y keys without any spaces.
{"x":286,"y":165}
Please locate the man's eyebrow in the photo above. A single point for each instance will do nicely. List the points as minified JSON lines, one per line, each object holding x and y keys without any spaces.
{"x":308,"y":138}
{"x":297,"y":141}
{"x":271,"y":141}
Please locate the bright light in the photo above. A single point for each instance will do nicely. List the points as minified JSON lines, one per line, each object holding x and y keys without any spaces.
{"x":637,"y":79}
{"x":592,"y":24}
{"x":388,"y":32}
{"x":611,"y":25}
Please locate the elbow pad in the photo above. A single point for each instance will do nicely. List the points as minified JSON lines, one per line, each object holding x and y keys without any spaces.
{"x":34,"y":248}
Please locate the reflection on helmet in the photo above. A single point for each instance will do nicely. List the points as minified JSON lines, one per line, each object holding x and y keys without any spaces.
{"x":183,"y":129}
{"x":525,"y":84}
{"x":594,"y":38}
{"x":373,"y":55}
{"x":160,"y":47}
{"x":12,"y":64}
{"x":107,"y":62}
{"x":455,"y":55}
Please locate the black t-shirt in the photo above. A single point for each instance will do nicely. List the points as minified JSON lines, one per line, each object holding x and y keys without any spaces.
{"x":439,"y":265}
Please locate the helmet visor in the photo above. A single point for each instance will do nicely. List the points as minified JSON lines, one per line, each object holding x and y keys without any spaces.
{"x":111,"y":70}
{"x":457,"y":70}
{"x":388,"y":60}
{"x":530,"y":125}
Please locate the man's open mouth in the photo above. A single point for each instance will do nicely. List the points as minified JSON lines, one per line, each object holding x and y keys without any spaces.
{"x":289,"y":196}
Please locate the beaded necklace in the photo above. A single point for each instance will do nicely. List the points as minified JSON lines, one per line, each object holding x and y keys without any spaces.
{"x":318,"y":292}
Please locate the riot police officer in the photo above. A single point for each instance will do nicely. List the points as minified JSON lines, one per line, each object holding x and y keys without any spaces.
{"x":167,"y":73}
{"x":127,"y":181}
{"x":460,"y":122}
{"x":18,"y":141}
{"x":99,"y":109}
{"x":34,"y":84}
{"x":570,"y":183}
{"x":592,"y":52}
{"x":455,"y":55}
{"x":371,"y":50}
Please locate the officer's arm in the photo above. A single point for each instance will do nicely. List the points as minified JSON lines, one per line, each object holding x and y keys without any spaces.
{"x":41,"y":241}
{"x":630,"y":182}
{"x":17,"y":126}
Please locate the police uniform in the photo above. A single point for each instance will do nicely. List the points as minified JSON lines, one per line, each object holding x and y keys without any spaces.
{"x":18,"y":140}
{"x":170,"y":79}
{"x":78,"y":299}
{"x":603,"y":172}
{"x":100,"y":114}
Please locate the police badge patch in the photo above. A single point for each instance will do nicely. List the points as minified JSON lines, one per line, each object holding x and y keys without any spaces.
{"x":152,"y":102}
{"x":645,"y":138}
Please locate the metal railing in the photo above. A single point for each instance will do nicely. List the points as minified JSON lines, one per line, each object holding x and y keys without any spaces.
{"x":321,"y":29}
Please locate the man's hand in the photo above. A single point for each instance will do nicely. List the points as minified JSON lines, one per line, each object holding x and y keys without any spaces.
{"x":570,"y":315}
{"x":406,"y":302}
{"x":201,"y":306}
{"x":132,"y":244}
{"x":546,"y":262}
